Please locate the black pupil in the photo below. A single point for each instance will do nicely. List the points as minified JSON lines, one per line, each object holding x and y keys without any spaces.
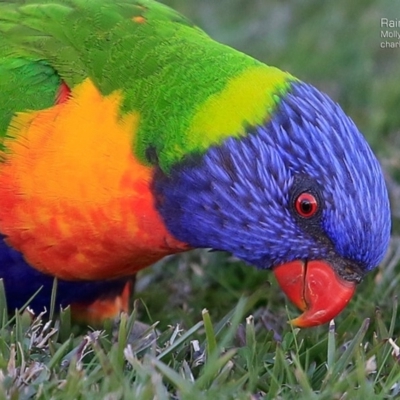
{"x":306,"y":206}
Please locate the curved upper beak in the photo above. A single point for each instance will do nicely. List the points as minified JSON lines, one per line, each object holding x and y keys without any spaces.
{"x":316,"y":289}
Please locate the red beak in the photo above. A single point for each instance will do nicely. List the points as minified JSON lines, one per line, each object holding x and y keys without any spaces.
{"x":315,"y":288}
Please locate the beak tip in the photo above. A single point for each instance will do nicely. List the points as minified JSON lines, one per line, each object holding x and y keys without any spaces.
{"x":304,"y":321}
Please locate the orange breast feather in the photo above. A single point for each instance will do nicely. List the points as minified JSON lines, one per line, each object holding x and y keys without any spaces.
{"x":75,"y":201}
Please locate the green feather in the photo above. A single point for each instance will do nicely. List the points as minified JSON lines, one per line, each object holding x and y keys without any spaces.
{"x":166,"y":68}
{"x":25,"y":85}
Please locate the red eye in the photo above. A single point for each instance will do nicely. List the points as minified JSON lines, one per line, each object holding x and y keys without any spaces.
{"x":306,"y":205}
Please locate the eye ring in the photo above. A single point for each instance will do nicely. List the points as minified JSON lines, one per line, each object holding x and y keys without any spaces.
{"x":306,"y":205}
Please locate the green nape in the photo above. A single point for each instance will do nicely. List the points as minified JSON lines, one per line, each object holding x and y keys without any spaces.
{"x":200,"y":93}
{"x":190,"y":91}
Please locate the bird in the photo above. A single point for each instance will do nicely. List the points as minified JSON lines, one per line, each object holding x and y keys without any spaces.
{"x":128,"y":134}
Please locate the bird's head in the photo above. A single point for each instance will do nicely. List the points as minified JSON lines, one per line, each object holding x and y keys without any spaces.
{"x":302,"y":194}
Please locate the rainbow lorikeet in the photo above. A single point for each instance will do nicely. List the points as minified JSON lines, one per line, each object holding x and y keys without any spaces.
{"x":127,"y":134}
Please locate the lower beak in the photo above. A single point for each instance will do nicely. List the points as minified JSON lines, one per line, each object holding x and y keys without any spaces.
{"x":316,"y":289}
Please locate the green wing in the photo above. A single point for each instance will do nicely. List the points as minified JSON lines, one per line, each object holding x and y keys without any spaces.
{"x":166,"y":68}
{"x":44,"y":42}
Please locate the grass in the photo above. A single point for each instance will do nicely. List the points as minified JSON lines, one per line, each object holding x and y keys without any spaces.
{"x":239,"y":348}
{"x":217,"y":329}
{"x":234,"y":357}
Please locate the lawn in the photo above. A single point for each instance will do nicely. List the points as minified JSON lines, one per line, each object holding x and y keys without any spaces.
{"x":215,"y":328}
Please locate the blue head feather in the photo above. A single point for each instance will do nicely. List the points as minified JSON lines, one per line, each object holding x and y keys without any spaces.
{"x":238,"y":196}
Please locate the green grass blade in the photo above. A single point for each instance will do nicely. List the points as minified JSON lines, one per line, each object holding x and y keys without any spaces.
{"x":210,"y":335}
{"x":179,"y":341}
{"x":3,"y":305}
{"x":331,"y":346}
{"x":53,"y":298}
{"x":342,"y":363}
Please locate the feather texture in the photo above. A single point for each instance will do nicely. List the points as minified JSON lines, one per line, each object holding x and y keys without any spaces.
{"x":127,"y":133}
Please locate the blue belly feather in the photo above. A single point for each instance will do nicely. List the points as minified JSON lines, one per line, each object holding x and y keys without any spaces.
{"x":22,"y":281}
